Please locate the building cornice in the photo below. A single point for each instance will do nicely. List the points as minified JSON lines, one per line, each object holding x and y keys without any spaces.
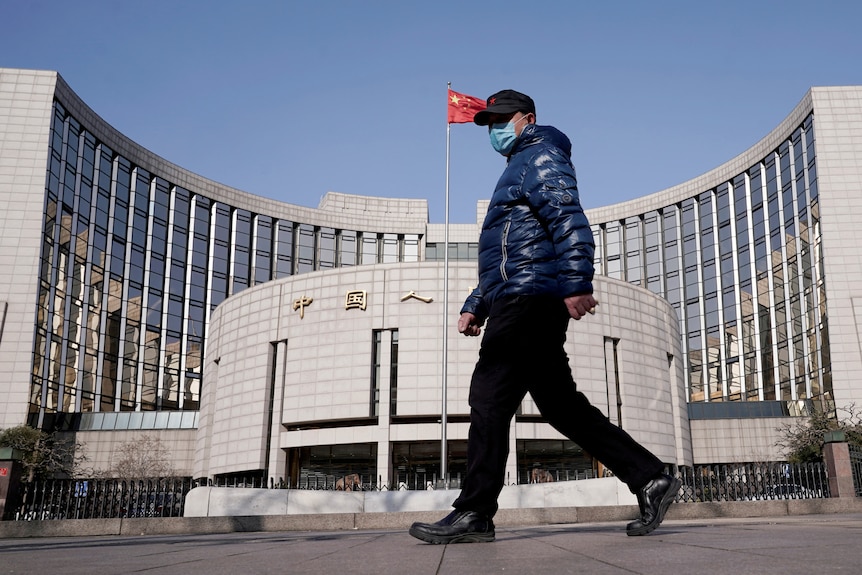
{"x":335,"y":209}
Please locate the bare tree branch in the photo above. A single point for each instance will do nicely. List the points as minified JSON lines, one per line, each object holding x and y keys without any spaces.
{"x":145,"y":456}
{"x":45,"y":455}
{"x":802,"y":441}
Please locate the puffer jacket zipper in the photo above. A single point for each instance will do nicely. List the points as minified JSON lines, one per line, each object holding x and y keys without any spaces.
{"x":504,"y":254}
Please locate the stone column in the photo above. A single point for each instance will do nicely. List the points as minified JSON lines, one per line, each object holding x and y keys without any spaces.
{"x":10,"y":481}
{"x":278,"y":470}
{"x":384,"y":415}
{"x":836,"y":455}
{"x":511,"y":477}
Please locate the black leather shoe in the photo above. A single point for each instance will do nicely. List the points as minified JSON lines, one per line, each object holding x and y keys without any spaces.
{"x":457,"y":527}
{"x":654,"y":498}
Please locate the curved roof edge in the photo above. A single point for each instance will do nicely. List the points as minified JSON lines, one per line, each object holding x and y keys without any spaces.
{"x":373,"y":213}
{"x":335,"y":209}
{"x":712,"y":178}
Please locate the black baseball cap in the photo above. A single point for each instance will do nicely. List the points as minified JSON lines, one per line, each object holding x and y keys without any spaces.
{"x":505,"y":102}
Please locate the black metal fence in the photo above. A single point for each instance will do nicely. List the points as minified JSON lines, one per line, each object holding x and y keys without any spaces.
{"x":103,"y":498}
{"x":159,"y":497}
{"x":348,"y":482}
{"x":753,"y":482}
{"x":742,"y":482}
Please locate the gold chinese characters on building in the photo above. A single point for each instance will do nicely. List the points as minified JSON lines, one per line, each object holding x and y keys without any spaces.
{"x":356,"y":299}
{"x":413,"y":295}
{"x":302,"y":303}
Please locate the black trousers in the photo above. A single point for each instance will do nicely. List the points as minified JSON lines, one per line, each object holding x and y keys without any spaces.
{"x":522,"y":351}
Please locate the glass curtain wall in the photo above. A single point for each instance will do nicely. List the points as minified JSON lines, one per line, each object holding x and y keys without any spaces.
{"x":132,"y":266}
{"x":742,"y":267}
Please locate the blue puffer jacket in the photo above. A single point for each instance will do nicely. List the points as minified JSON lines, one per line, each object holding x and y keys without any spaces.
{"x":536,"y":239}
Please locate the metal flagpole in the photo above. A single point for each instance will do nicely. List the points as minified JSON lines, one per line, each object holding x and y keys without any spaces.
{"x":443,"y":450}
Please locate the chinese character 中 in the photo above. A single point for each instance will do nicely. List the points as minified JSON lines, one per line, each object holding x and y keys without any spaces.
{"x":300,"y":304}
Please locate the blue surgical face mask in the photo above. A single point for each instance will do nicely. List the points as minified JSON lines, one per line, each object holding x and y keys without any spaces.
{"x":503,"y":136}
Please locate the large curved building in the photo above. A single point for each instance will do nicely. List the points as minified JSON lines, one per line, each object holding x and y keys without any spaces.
{"x":255,"y":337}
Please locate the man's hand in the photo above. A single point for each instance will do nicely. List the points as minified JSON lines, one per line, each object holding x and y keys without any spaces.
{"x":581,"y":305}
{"x":468,"y":325}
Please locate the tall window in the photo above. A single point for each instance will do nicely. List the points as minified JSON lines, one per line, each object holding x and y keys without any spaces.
{"x":741,"y":265}
{"x":378,"y":369}
{"x":393,"y":374}
{"x":133,"y":265}
{"x":376,"y":355}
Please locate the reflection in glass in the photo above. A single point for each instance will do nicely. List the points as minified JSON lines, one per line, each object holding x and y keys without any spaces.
{"x":369,"y":248}
{"x":741,"y":265}
{"x":306,"y":249}
{"x":348,"y":248}
{"x":284,"y":249}
{"x":241,"y":251}
{"x":390,"y":248}
{"x":613,"y":249}
{"x":327,"y":248}
{"x":263,"y":249}
{"x":132,"y":265}
{"x":634,"y":250}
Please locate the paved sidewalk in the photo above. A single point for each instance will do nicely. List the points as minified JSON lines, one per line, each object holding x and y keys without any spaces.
{"x":806,"y":545}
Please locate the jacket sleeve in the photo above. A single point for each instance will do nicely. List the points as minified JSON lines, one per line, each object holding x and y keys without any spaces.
{"x":551,"y":189}
{"x":475,"y":304}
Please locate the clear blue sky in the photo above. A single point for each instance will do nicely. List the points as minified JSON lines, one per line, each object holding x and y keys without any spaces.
{"x":289,"y":99}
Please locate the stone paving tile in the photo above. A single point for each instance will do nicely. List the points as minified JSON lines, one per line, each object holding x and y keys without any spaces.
{"x":822,"y":544}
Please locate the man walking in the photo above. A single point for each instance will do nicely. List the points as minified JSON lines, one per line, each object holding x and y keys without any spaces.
{"x":535,"y":273}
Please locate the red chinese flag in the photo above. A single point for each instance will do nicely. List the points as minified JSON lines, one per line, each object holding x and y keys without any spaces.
{"x":462,"y":107}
